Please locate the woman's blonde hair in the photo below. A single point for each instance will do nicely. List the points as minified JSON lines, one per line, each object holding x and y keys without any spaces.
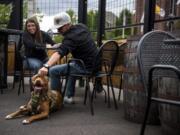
{"x":38,"y":36}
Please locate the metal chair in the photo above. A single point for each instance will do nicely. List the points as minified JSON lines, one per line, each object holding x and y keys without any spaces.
{"x":1,"y":82}
{"x":120,"y":62}
{"x":103,"y":66}
{"x":157,"y":59}
{"x":22,"y":72}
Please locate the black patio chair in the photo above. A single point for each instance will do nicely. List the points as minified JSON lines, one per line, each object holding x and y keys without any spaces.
{"x":156,"y":60}
{"x":1,"y":80}
{"x":104,"y":65}
{"x":1,"y":83}
{"x":22,"y":71}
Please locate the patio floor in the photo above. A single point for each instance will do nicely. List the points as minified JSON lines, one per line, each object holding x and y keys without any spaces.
{"x":74,"y":119}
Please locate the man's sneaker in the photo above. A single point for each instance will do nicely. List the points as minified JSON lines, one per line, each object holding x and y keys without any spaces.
{"x":69,"y":100}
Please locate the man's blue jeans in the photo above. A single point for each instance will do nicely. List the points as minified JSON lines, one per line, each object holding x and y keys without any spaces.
{"x":57,"y":71}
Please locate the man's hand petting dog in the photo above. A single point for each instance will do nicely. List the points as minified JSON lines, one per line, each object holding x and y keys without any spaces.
{"x":41,"y":103}
{"x":43,"y":71}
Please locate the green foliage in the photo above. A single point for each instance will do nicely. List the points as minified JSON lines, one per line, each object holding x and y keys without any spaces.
{"x":72,"y":15}
{"x":92,"y":20}
{"x":25,"y":9}
{"x":120,"y":20}
{"x":58,"y":38}
{"x":5,"y":12}
{"x":110,"y":34}
{"x":177,"y":24}
{"x":94,"y":35}
{"x":117,"y":33}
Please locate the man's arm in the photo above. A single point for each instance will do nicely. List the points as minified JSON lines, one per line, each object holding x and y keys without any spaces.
{"x":52,"y":61}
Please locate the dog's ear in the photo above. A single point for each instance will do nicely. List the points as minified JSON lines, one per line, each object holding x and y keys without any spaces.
{"x":31,"y":86}
{"x":46,"y":80}
{"x":33,"y":78}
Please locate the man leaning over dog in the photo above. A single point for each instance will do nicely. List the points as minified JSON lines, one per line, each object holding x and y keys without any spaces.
{"x":77,"y":41}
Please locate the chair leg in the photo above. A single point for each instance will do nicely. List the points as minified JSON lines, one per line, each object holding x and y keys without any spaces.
{"x":1,"y":91}
{"x":95,"y":87}
{"x":91,"y":96}
{"x":30,"y":80}
{"x":114,"y":98}
{"x":1,"y":85}
{"x":13,"y":82}
{"x":120,"y":88}
{"x":105,"y":97}
{"x":64,"y":91}
{"x":30,"y":85}
{"x":86,"y":91}
{"x":1,"y":88}
{"x":145,"y":117}
{"x":61,"y":81}
{"x":107,"y":80}
{"x":14,"y":76}
{"x":19,"y":89}
{"x":21,"y":81}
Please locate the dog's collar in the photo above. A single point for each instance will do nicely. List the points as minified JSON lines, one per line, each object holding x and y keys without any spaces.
{"x":35,"y":100}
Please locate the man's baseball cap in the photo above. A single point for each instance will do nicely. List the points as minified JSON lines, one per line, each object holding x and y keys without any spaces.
{"x":61,"y":19}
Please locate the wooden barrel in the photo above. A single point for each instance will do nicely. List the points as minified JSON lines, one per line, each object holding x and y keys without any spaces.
{"x":134,"y":95}
{"x":116,"y":77}
{"x":169,"y":88}
{"x":11,"y":58}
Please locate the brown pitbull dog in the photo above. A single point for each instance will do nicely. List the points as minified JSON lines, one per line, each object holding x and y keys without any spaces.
{"x":42,"y":102}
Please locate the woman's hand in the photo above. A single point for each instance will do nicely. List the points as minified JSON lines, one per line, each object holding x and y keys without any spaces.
{"x":43,"y":71}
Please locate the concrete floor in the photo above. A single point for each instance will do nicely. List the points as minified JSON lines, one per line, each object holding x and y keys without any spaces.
{"x":74,"y":119}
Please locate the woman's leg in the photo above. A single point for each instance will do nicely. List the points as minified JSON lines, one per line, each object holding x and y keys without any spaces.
{"x":33,"y":64}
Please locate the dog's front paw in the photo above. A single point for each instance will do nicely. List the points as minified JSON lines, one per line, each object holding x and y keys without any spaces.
{"x":25,"y":121}
{"x":8,"y":117}
{"x":22,"y":107}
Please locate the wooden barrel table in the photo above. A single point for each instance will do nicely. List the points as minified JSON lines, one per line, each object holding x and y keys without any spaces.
{"x":169,"y":88}
{"x":134,"y":95}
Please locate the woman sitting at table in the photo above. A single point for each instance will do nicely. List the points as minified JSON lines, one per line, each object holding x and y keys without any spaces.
{"x":35,"y":42}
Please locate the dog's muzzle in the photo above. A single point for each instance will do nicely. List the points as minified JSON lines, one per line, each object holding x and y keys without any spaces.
{"x":38,"y":85}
